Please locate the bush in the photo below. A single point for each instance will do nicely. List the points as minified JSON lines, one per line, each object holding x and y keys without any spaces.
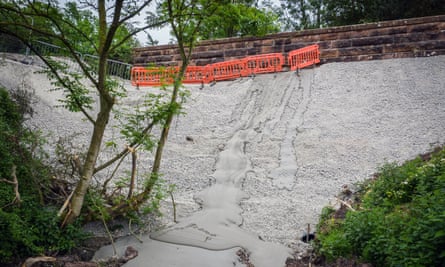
{"x":27,"y":227}
{"x":335,"y":245}
{"x":400,"y":221}
{"x":34,"y":230}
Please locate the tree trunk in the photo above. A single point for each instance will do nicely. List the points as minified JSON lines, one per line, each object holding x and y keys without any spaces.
{"x":90,"y":162}
{"x":142,"y":197}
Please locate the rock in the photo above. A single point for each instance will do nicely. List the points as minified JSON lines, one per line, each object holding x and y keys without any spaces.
{"x":308,"y":237}
{"x":130,"y":253}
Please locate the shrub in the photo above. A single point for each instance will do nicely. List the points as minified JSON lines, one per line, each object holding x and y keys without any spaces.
{"x":334,"y":245}
{"x":34,"y":230}
{"x":28,"y":227}
{"x":400,"y":221}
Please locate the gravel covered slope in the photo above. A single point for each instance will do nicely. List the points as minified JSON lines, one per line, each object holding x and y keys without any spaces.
{"x":305,"y":136}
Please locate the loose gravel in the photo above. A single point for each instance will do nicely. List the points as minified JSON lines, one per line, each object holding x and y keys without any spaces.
{"x":309,"y":134}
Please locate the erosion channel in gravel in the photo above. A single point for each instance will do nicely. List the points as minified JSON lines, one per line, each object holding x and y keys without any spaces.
{"x":254,"y":160}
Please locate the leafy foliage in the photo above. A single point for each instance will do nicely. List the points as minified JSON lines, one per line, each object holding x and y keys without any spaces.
{"x":104,"y":29}
{"x":222,"y":19}
{"x":86,"y":33}
{"x":352,"y":12}
{"x":400,"y":221}
{"x":29,"y":227}
{"x":306,"y":14}
{"x":239,"y":19}
{"x":301,"y":14}
{"x":33,"y":230}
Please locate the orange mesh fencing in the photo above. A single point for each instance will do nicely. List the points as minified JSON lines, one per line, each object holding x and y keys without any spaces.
{"x":304,"y":57}
{"x":226,"y":70}
{"x":267,"y":63}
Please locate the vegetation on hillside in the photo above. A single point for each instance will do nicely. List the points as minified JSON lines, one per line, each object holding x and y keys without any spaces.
{"x":398,"y":220}
{"x":72,"y":30}
{"x":143,"y":128}
{"x":28,"y":221}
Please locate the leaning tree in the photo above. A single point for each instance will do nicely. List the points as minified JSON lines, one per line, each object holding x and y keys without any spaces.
{"x":47,"y":21}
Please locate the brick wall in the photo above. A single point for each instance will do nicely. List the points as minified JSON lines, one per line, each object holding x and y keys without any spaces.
{"x":389,"y":39}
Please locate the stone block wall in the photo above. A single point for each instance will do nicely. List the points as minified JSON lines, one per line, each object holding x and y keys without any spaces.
{"x":381,"y":40}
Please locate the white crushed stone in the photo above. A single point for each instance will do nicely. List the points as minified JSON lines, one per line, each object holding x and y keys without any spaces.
{"x":308,"y":135}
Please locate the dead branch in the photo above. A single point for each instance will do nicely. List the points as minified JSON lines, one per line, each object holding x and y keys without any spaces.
{"x":133,"y":170}
{"x":65,"y":204}
{"x":174,"y":206}
{"x":31,"y":261}
{"x":76,"y":165}
{"x":17,"y":200}
{"x":345,"y":204}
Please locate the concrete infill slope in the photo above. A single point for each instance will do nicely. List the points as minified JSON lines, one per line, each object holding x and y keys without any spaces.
{"x":255,"y":160}
{"x":284,"y":145}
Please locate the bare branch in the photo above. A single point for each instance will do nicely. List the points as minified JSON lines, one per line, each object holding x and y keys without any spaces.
{"x":31,"y":261}
{"x":17,"y":200}
{"x":125,"y":151}
{"x":133,"y":171}
{"x":65,"y":204}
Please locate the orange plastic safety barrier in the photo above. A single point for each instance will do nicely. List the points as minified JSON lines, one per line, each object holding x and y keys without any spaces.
{"x":304,"y":57}
{"x":141,"y":76}
{"x":135,"y":75}
{"x":226,"y":70}
{"x":196,"y":74}
{"x":267,"y":63}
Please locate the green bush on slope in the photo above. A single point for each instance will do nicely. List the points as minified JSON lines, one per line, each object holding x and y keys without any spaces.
{"x":29,"y":227}
{"x":400,"y":220}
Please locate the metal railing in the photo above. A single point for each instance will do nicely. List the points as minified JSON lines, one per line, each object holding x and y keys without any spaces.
{"x":114,"y":68}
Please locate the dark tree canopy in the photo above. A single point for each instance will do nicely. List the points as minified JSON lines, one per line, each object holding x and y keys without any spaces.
{"x":304,"y":14}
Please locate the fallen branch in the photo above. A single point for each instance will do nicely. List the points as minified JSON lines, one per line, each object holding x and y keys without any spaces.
{"x":14,"y":182}
{"x":76,"y":165}
{"x":31,"y":261}
{"x":65,"y":204}
{"x":346,"y":204}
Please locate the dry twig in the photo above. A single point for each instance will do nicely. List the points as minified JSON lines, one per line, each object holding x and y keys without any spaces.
{"x":17,"y":200}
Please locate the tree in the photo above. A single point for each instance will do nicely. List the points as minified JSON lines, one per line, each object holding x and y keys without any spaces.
{"x":46,"y":21}
{"x":306,"y":14}
{"x":301,"y":14}
{"x":185,"y":18}
{"x":88,"y":23}
{"x":238,"y":19}
{"x":343,"y":12}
